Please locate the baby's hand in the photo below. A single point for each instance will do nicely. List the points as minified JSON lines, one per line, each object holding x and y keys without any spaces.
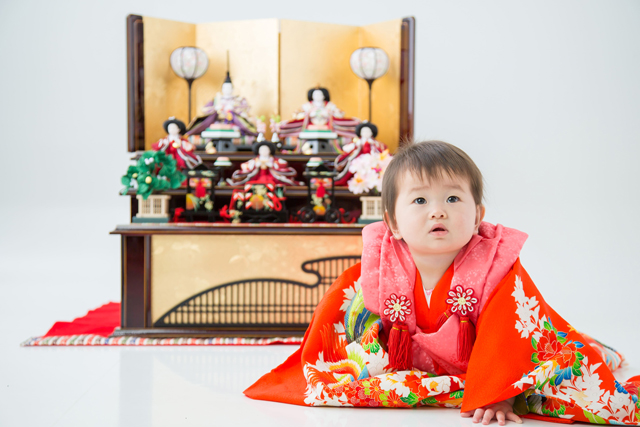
{"x":499,"y":411}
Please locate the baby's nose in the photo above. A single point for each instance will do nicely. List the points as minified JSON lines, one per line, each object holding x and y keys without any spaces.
{"x":438,"y":213}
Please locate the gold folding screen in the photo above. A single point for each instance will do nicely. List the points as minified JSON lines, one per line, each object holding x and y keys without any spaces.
{"x":165,"y":94}
{"x":273,"y":63}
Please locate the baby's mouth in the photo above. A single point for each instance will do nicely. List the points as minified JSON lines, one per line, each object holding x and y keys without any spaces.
{"x":439,"y":230}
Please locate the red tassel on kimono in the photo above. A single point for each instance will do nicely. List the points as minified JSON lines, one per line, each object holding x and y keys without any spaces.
{"x":399,"y":346}
{"x":466,"y":339}
{"x":443,"y":318}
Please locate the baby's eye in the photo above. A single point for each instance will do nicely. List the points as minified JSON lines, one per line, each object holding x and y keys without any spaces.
{"x":453,"y":199}
{"x":420,"y":200}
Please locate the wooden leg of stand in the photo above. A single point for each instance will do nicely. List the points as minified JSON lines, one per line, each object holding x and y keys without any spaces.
{"x":136,"y":279}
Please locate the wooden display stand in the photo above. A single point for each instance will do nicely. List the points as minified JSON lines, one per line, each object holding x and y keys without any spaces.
{"x":223,"y":279}
{"x":229,"y":279}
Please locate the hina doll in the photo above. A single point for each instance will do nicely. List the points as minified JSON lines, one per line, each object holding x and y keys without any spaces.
{"x":265,"y":168}
{"x":226,"y":111}
{"x":177,"y":146}
{"x":363,"y":143}
{"x":319,"y":114}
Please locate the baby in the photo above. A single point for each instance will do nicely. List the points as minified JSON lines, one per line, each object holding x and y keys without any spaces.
{"x":440,"y":312}
{"x":433,"y":202}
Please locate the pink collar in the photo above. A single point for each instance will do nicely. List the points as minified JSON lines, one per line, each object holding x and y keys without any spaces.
{"x":388,"y":267}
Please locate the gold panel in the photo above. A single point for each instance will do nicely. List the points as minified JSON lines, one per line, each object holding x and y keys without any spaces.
{"x":183,"y":266}
{"x":165,"y":94}
{"x":313,"y":53}
{"x":386,"y":90}
{"x":273,"y":64}
{"x":253,"y":63}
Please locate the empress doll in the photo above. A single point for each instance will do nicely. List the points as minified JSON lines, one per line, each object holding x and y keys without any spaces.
{"x":317,"y":115}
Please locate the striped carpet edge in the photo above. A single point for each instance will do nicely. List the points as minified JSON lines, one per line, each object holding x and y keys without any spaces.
{"x":97,"y":340}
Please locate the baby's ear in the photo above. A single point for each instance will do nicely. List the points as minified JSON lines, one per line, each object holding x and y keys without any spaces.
{"x":385,"y":218}
{"x":387,"y":222}
{"x":480,"y":211}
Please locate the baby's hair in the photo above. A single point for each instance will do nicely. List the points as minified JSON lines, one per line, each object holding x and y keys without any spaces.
{"x":429,"y":160}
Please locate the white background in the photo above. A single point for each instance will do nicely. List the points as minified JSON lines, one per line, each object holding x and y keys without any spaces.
{"x":544,"y":96}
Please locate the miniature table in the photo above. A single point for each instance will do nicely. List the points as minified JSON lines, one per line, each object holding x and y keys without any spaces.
{"x":224,"y":279}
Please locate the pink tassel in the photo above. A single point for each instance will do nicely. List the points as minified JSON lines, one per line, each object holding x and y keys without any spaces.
{"x":466,"y":339}
{"x":400,"y":349}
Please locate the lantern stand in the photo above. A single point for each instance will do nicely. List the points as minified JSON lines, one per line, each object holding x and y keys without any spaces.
{"x":369,"y":82}
{"x":190,"y":82}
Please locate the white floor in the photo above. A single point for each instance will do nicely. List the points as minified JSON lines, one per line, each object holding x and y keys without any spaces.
{"x":167,"y":387}
{"x":162,"y":386}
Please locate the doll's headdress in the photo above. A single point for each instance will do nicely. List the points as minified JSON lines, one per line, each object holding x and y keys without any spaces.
{"x":179,"y":123}
{"x":228,"y":78}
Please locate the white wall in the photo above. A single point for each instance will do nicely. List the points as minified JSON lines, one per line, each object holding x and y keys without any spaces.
{"x":544,"y":95}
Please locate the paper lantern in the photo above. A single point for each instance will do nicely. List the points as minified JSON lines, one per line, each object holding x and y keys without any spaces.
{"x":369,"y":63}
{"x":190,"y":63}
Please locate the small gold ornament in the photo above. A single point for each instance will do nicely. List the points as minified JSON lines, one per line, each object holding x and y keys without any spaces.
{"x":148,"y":180}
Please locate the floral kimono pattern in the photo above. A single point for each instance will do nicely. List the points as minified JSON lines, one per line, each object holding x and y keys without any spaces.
{"x":555,"y":372}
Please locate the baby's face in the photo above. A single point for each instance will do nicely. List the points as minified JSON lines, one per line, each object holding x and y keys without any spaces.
{"x":436,"y":218}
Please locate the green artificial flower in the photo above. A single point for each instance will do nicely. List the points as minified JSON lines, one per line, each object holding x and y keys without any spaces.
{"x":154,"y":171}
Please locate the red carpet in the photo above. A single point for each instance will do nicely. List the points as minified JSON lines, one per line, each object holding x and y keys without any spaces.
{"x":96,"y":327}
{"x":102,"y":321}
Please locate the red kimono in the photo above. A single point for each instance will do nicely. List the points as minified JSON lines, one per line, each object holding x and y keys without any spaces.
{"x":522,"y":347}
{"x":181,"y":151}
{"x":265,"y":171}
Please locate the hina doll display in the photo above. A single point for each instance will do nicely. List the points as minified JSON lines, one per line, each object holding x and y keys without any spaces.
{"x":177,"y":146}
{"x":265,"y":168}
{"x":363,"y":143}
{"x":226,"y":112}
{"x":318,"y":115}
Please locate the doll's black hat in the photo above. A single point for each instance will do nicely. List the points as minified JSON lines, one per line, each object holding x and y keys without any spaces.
{"x":271,"y":145}
{"x":374,"y":129}
{"x":324,"y":91}
{"x":180,"y":124}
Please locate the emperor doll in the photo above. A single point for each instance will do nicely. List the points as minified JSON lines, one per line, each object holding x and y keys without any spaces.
{"x":225,"y":112}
